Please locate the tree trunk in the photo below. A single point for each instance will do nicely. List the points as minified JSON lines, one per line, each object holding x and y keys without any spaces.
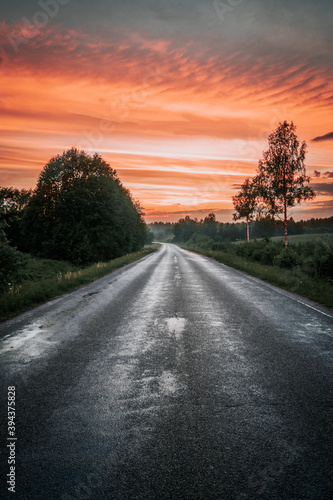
{"x":285,"y":224}
{"x":247,"y":230}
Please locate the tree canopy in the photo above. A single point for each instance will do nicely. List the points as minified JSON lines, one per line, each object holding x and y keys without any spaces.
{"x":13,"y":203}
{"x":81,"y":212}
{"x":245,"y":204}
{"x":281,"y":180}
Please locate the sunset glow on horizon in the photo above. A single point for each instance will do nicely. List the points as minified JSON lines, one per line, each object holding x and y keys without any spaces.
{"x":178,"y":98}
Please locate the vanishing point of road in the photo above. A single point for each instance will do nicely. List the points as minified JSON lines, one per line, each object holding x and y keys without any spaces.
{"x":175,"y":377}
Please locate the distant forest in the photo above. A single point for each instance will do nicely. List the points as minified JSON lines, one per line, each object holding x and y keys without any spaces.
{"x":210,"y":230}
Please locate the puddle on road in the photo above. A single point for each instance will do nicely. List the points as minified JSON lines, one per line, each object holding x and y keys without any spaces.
{"x":31,"y":342}
{"x":176,"y":325}
{"x":168,"y":383}
{"x":17,"y":341}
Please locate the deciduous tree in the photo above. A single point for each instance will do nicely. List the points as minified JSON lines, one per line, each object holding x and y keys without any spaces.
{"x":13,"y":203}
{"x":245,"y":204}
{"x":282,"y":181}
{"x":81,"y":212}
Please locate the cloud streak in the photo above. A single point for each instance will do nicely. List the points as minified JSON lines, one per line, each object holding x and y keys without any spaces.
{"x":326,"y":137}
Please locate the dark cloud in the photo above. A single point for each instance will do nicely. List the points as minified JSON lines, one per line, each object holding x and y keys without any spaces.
{"x":323,"y":189}
{"x":326,"y":137}
{"x":284,"y":24}
{"x":327,"y":174}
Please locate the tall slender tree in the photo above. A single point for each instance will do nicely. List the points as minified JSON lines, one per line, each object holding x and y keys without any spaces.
{"x":282,"y":181}
{"x":245,"y":204}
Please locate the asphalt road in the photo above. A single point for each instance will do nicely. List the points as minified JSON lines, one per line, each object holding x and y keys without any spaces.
{"x":173,"y":378}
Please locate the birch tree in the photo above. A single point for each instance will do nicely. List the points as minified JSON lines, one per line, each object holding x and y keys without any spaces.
{"x":245,"y":204}
{"x":282,"y":181}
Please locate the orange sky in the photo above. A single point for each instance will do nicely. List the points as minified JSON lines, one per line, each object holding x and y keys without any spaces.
{"x":182,"y":114}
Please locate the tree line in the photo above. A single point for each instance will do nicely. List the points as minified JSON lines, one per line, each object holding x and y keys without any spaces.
{"x":209,"y":230}
{"x":79,"y":211}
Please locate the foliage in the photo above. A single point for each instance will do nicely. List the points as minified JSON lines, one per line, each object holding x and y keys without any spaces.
{"x":209,"y":226}
{"x":323,"y":258}
{"x":314,"y":258}
{"x":81,"y":212}
{"x":184,"y":228}
{"x":224,"y":233}
{"x":246,"y":203}
{"x":13,"y":203}
{"x":200,"y":241}
{"x":287,"y":258}
{"x":294,"y":280}
{"x":10,"y":263}
{"x":43,"y":279}
{"x":264,"y":251}
{"x":281,"y":179}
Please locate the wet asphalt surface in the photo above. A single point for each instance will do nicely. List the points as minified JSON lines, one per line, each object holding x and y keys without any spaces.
{"x":173,"y":378}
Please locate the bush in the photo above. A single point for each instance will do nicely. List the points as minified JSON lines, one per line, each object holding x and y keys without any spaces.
{"x":264,"y":251}
{"x":245,"y":250}
{"x":323,"y":258}
{"x":10,"y":263}
{"x":267,"y":254}
{"x":221,"y":246}
{"x":287,"y":258}
{"x":200,"y":241}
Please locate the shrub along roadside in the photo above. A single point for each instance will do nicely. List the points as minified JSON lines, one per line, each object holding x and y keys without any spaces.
{"x":44,"y":279}
{"x":294,"y":280}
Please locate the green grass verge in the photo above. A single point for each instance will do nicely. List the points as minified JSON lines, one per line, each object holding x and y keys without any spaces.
{"x":44,"y":279}
{"x":316,"y":289}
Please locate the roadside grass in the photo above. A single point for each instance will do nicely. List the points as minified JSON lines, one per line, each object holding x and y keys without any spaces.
{"x":44,"y":279}
{"x":293,"y":280}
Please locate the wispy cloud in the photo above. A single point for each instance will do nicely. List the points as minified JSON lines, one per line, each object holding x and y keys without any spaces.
{"x":324,"y":189}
